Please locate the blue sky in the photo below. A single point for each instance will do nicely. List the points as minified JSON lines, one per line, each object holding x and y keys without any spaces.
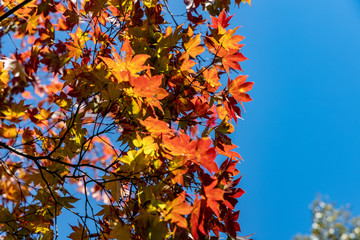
{"x":301,"y":134}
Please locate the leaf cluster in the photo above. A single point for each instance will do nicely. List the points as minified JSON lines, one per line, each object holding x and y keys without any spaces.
{"x":117,"y":100}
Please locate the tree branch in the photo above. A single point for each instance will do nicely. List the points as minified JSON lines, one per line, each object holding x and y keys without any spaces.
{"x":11,"y":11}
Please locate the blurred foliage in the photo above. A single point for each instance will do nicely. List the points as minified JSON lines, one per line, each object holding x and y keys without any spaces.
{"x":331,"y":223}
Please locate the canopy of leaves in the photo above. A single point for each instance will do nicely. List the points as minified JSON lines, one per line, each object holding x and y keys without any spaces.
{"x":329,"y":222}
{"x":117,"y":100}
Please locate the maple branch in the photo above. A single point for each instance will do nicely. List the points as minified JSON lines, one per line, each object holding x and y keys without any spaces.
{"x":11,"y":11}
{"x":83,"y":152}
{"x":12,"y":149}
{"x":48,"y":157}
{"x":72,"y":123}
{"x":171,"y":14}
{"x":56,"y":224}
{"x":88,"y":202}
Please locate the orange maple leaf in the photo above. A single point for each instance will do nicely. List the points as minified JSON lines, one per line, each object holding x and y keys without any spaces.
{"x":192,"y":47}
{"x":211,"y":76}
{"x":239,"y":87}
{"x":230,"y":42}
{"x":232,"y":61}
{"x":197,"y":219}
{"x":156,"y":126}
{"x":136,"y":64}
{"x":126,"y":47}
{"x":148,"y":87}
{"x":124,"y":69}
{"x":187,"y":64}
{"x":181,"y":145}
{"x":206,"y":155}
{"x":177,"y":209}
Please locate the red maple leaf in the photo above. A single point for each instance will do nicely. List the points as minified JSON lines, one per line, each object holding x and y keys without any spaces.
{"x":213,"y":195}
{"x":221,"y":20}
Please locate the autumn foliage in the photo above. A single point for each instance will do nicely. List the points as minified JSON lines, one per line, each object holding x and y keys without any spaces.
{"x":118,"y":114}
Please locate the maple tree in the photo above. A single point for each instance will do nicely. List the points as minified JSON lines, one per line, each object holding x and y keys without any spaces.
{"x":114,"y":101}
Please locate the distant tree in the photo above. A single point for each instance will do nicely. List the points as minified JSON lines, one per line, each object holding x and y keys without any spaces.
{"x":331,"y":223}
{"x":124,"y":103}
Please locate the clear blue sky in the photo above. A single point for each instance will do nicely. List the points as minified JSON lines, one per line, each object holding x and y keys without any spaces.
{"x":301,"y":134}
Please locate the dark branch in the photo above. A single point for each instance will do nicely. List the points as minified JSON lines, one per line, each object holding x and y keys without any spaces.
{"x":11,"y":11}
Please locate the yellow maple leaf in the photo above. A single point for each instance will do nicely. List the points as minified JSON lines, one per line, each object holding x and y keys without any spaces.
{"x":14,"y":112}
{"x":8,"y":131}
{"x":77,"y":44}
{"x":4,"y":76}
{"x":44,"y":114}
{"x":192,"y":47}
{"x":32,"y":24}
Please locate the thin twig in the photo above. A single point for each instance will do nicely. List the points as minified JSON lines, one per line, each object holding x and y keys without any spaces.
{"x":171,"y":14}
